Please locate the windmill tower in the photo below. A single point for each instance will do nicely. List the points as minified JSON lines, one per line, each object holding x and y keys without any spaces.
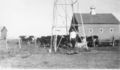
{"x":62,"y":15}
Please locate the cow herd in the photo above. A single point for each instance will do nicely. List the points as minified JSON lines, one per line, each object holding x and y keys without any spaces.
{"x":62,"y":40}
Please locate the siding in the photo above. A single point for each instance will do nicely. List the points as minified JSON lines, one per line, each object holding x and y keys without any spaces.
{"x":104,"y":31}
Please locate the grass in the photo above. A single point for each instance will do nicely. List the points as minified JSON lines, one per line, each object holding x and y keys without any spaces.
{"x":37,"y":57}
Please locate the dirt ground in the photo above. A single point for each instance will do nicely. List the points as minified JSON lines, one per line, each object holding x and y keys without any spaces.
{"x":36,"y":57}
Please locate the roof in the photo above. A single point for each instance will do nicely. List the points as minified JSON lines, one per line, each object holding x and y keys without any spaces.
{"x":1,"y":28}
{"x":100,"y":18}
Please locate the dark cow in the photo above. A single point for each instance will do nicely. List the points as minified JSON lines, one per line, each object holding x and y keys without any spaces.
{"x":44,"y":41}
{"x":30,"y":39}
{"x":23,"y":39}
{"x":92,"y":41}
{"x":63,"y":41}
{"x":27,"y":40}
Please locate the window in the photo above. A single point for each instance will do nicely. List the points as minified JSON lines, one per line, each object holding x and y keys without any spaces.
{"x":111,"y":29}
{"x":90,"y":30}
{"x":101,"y":30}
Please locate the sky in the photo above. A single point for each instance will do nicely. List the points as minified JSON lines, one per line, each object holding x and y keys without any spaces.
{"x":35,"y":17}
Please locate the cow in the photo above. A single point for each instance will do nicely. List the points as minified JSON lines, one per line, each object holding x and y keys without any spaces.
{"x":23,"y":39}
{"x":92,"y":41}
{"x":63,"y":41}
{"x":44,"y":41}
{"x":27,"y":40}
{"x":30,"y":39}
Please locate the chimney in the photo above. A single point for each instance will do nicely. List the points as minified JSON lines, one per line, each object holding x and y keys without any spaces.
{"x":92,"y":10}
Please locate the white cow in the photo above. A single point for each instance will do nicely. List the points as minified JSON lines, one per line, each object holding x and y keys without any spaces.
{"x":82,"y":44}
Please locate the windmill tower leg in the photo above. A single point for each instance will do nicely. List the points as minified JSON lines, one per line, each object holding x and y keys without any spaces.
{"x":83,"y":29}
{"x":55,"y":46}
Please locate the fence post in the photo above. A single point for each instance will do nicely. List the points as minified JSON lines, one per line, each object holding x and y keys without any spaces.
{"x":19,"y":42}
{"x":113,"y":41}
{"x":6,"y":44}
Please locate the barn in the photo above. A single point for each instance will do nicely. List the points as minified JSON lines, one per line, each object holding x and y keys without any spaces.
{"x":104,"y":25}
{"x":3,"y":32}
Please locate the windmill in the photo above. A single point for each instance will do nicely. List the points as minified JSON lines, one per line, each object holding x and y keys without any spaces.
{"x":62,"y":19}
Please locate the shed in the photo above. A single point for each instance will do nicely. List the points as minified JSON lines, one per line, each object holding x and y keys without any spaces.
{"x":3,"y":32}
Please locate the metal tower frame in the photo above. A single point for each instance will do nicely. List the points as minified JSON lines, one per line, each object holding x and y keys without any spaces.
{"x":54,"y":37}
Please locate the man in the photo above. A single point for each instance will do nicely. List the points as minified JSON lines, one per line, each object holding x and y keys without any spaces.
{"x":73,"y":38}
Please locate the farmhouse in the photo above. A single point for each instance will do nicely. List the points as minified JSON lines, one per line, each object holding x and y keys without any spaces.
{"x":3,"y":32}
{"x":104,"y":25}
